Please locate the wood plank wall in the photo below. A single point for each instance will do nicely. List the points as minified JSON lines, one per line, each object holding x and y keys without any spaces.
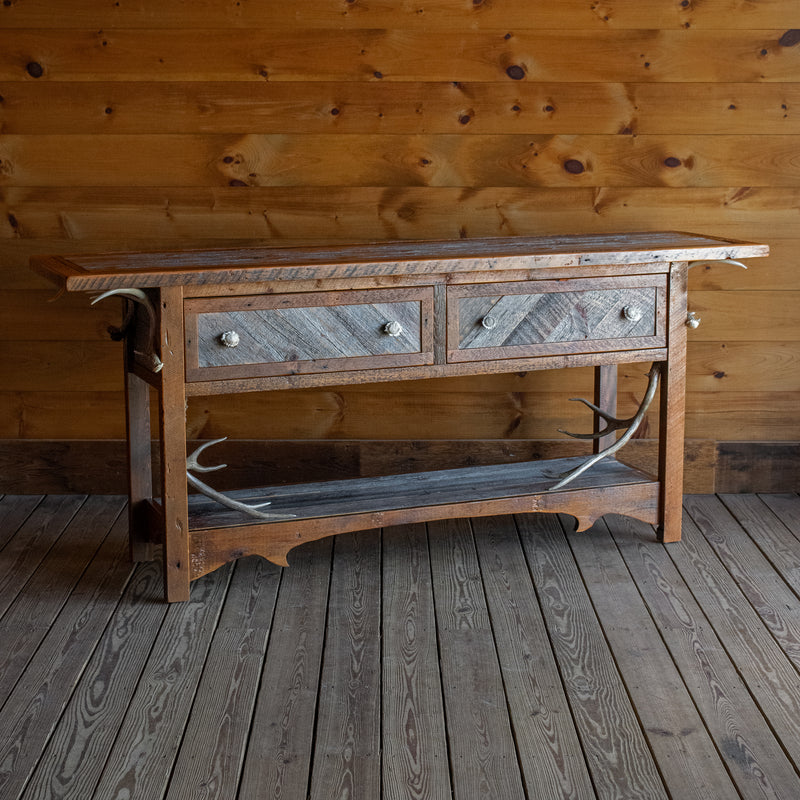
{"x":155,"y":124}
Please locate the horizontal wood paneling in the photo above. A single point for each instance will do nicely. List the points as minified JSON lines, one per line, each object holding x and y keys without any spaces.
{"x":97,"y":219}
{"x":395,"y":54}
{"x":443,"y":15}
{"x":414,"y":107}
{"x":155,"y":125}
{"x":389,"y":160}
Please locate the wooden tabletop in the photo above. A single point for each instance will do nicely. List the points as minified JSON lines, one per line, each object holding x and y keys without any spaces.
{"x":99,"y":272}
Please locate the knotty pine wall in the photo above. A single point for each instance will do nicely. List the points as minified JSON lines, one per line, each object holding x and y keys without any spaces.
{"x":144,"y":124}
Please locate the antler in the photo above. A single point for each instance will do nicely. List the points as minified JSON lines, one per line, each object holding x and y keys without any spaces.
{"x":246,"y":508}
{"x":138,"y":296}
{"x":613,"y":424}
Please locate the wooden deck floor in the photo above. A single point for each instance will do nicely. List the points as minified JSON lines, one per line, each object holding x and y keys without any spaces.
{"x":488,"y":658}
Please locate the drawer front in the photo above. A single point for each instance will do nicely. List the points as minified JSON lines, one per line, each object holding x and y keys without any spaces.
{"x":265,"y":335}
{"x":549,"y":318}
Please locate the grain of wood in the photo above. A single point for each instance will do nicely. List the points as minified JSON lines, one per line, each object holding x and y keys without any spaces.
{"x":37,"y":701}
{"x":33,"y":540}
{"x":548,"y":745}
{"x":473,"y":54}
{"x":73,"y":760}
{"x":396,"y":160}
{"x":99,"y":218}
{"x":769,"y":675}
{"x":483,"y":756}
{"x":211,"y":765}
{"x":414,"y":741}
{"x":787,"y":507}
{"x":280,"y":748}
{"x":725,"y":14}
{"x":155,"y":719}
{"x":617,"y":755}
{"x":753,"y":755}
{"x":734,"y":532}
{"x":14,"y":510}
{"x":29,"y":617}
{"x":675,"y":731}
{"x":347,"y":749}
{"x":411,"y":107}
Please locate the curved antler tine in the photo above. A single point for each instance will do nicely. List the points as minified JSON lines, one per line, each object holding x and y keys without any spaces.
{"x":135,"y":294}
{"x":138,"y":296}
{"x":236,"y":505}
{"x":717,"y":261}
{"x":653,"y":375}
{"x":614,"y":423}
{"x":192,"y":462}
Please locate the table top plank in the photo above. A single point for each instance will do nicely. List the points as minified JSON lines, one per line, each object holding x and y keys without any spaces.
{"x":100,"y":272}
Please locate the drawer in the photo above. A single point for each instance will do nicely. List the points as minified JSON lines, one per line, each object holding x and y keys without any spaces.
{"x":290,"y":334}
{"x":520,"y":320}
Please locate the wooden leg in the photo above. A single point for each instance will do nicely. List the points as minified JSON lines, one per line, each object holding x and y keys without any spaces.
{"x":671,"y":423}
{"x":605,"y":397}
{"x":172,"y":427}
{"x":140,"y":472}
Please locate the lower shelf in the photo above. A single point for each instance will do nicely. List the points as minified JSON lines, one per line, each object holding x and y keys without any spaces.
{"x":326,"y":508}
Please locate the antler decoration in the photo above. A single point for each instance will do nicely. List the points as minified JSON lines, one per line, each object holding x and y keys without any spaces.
{"x":613,"y":424}
{"x":717,"y":261}
{"x":138,"y":296}
{"x":252,"y":510}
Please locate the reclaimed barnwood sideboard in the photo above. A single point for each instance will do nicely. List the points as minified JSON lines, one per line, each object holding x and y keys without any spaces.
{"x":255,"y":319}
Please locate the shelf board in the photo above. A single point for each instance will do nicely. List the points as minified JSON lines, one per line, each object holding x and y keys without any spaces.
{"x":414,"y":490}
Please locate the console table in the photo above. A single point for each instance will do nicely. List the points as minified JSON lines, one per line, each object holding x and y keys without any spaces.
{"x":254,"y":319}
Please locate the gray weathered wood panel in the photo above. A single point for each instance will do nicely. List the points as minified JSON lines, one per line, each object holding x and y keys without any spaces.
{"x":521,"y":319}
{"x":304,"y":334}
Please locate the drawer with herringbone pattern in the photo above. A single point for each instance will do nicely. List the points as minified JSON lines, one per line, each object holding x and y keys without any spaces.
{"x":532,"y":318}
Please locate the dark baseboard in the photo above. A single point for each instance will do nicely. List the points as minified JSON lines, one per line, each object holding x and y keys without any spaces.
{"x":29,"y":466}
{"x":758,"y":467}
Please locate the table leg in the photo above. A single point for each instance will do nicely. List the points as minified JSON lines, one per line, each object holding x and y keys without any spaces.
{"x":172,"y":428}
{"x":671,"y":422}
{"x":605,"y":397}
{"x":140,"y":468}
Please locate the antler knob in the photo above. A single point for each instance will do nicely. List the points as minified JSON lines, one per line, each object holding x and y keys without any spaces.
{"x":632,"y":313}
{"x":393,"y":328}
{"x":229,"y":338}
{"x":692,"y":320}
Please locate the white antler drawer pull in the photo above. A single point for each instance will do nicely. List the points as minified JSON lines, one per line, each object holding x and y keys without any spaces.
{"x":632,"y":313}
{"x":692,"y":320}
{"x":393,"y":328}
{"x":489,"y":322}
{"x":229,"y":338}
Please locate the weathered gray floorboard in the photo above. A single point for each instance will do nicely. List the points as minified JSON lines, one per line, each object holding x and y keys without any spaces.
{"x":772,"y":535}
{"x":73,"y":761}
{"x":38,"y":699}
{"x":280,"y":748}
{"x":14,"y":510}
{"x":151,"y":732}
{"x":483,"y":754}
{"x":26,"y":550}
{"x":743,"y":740}
{"x":549,"y":747}
{"x":679,"y":688}
{"x":766,"y":671}
{"x":347,"y":753}
{"x":774,"y":601}
{"x":31,"y":614}
{"x":415,"y":764}
{"x":617,"y":753}
{"x":210,"y":758}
